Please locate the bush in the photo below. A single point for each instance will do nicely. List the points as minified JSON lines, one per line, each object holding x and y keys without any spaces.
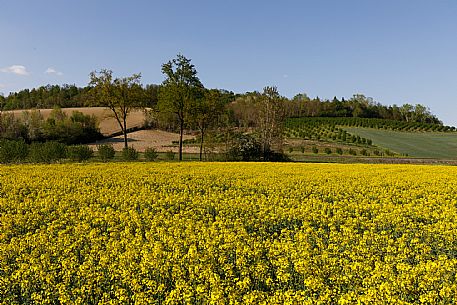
{"x":327,"y":150}
{"x":150,"y":154}
{"x":389,"y":153}
{"x":170,"y":155}
{"x":302,"y":149}
{"x":352,"y":152}
{"x":13,"y":151}
{"x":129,"y":154}
{"x":339,"y":151}
{"x":315,"y":150}
{"x":47,"y":152}
{"x":106,"y":152}
{"x":364,"y":152}
{"x":245,"y":148}
{"x":291,"y":149}
{"x":79,"y":153}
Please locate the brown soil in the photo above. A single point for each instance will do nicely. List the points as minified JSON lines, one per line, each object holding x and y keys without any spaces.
{"x":160,"y":140}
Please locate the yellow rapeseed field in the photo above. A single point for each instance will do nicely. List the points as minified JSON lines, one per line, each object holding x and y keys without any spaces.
{"x":228,"y":233}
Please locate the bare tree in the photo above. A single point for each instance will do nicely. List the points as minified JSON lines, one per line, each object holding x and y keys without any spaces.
{"x":271,"y":117}
{"x":121,"y":95}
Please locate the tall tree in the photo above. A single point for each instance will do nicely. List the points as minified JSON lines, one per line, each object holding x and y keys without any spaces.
{"x":180,"y":91}
{"x":271,"y":117}
{"x":206,"y":111}
{"x":120,"y":95}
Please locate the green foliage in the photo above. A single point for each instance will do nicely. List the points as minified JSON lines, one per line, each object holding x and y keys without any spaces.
{"x":79,"y":153}
{"x":11,"y":127}
{"x":339,"y":151}
{"x":170,"y":155}
{"x":180,"y":91}
{"x":150,"y":154}
{"x":244,"y":148}
{"x":129,"y":154}
{"x":47,"y":152}
{"x":13,"y":151}
{"x":315,"y":150}
{"x":328,"y":150}
{"x":76,"y":129}
{"x":352,"y":152}
{"x":389,"y":153}
{"x":106,"y":152}
{"x":332,"y":125}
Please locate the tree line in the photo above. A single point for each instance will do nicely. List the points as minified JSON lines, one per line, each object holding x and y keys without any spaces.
{"x":182,"y":102}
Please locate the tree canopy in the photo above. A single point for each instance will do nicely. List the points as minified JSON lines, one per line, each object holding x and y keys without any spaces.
{"x":180,"y":91}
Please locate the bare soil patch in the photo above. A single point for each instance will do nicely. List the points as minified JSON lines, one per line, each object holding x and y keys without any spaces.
{"x":160,"y":140}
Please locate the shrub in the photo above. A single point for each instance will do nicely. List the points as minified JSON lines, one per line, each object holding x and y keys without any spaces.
{"x":352,"y":152}
{"x":389,"y":153}
{"x":106,"y":152}
{"x":245,"y":148}
{"x":13,"y":151}
{"x":302,"y":149}
{"x":129,"y":154}
{"x":79,"y":153}
{"x":170,"y":155}
{"x":291,"y":149}
{"x":315,"y":150}
{"x":327,"y":150}
{"x":150,"y":154}
{"x":339,"y":151}
{"x":47,"y":152}
{"x":364,"y":152}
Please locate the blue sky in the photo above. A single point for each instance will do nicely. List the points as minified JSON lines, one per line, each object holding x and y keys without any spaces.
{"x":402,"y":51}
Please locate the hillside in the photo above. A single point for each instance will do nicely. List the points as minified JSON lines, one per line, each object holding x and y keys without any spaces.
{"x":414,"y":144}
{"x":107,"y":122}
{"x":372,"y":137}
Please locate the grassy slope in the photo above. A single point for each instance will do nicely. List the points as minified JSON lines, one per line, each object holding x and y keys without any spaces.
{"x":415,"y":144}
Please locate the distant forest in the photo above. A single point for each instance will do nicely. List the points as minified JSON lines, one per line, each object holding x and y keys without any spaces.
{"x":241,"y":107}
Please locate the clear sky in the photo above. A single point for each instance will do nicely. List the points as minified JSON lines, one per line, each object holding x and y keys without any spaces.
{"x":396,"y":51}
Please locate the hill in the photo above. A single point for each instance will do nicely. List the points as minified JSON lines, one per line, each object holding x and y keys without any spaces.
{"x":415,"y":144}
{"x":107,"y":123}
{"x":372,"y":137}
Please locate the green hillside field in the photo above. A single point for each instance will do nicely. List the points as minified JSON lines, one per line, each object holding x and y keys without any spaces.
{"x":439,"y":145}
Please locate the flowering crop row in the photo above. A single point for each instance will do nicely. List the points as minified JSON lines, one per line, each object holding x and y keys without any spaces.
{"x":228,"y":233}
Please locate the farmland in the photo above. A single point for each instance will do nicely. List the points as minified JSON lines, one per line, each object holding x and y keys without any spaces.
{"x":417,"y":144}
{"x":227,"y":233}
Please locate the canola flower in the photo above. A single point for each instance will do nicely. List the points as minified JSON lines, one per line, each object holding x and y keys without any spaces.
{"x":228,"y":233}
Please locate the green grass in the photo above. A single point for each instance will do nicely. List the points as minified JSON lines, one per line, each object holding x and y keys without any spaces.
{"x":416,"y":144}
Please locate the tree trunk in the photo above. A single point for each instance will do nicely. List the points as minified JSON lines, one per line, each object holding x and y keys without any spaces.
{"x":181,"y":131}
{"x":125,"y":132}
{"x":201,"y":143}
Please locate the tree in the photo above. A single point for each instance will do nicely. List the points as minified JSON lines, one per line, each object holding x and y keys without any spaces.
{"x":120,"y":95}
{"x":180,"y":91}
{"x":2,"y":103}
{"x":271,"y":120}
{"x":207,"y":110}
